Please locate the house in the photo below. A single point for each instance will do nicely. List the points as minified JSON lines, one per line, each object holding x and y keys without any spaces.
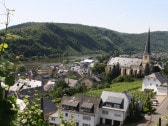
{"x":111,"y":109}
{"x":71,"y":82}
{"x":83,"y":109}
{"x":115,"y":108}
{"x":83,"y":67}
{"x":131,"y":66}
{"x":25,"y":84}
{"x":88,"y":82}
{"x":48,"y":106}
{"x":49,"y":85}
{"x":156,"y":82}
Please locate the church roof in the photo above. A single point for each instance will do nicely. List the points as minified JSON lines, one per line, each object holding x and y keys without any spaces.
{"x":125,"y":62}
{"x":147,"y":46}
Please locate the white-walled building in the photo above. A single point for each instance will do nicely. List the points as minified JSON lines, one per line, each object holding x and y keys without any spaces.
{"x":111,"y":109}
{"x":83,"y":110}
{"x":25,"y":84}
{"x":83,"y":67}
{"x":156,"y":82}
{"x":115,"y":108}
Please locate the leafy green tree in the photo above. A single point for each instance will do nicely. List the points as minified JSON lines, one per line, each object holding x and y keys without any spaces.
{"x":61,"y":83}
{"x":70,"y":122}
{"x":31,"y":115}
{"x":9,"y":114}
{"x":113,"y":74}
{"x":135,"y":112}
{"x":165,"y":70}
{"x":99,"y":68}
{"x":147,"y":105}
{"x":8,"y":108}
{"x":20,"y":68}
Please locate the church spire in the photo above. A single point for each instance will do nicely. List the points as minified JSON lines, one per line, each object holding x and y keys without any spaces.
{"x":147,"y":46}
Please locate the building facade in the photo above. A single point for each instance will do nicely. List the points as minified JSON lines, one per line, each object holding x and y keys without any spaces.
{"x":156,"y":82}
{"x":110,"y":109}
{"x":131,"y":66}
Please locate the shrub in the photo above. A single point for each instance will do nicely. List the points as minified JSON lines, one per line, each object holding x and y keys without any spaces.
{"x":123,"y":79}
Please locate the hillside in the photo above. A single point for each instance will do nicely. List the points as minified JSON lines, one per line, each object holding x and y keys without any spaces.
{"x":53,"y":39}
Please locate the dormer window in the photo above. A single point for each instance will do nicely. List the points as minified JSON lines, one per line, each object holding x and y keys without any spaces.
{"x":87,"y":107}
{"x":114,"y":102}
{"x":116,"y":106}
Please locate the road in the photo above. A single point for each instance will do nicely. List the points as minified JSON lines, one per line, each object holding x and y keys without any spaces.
{"x":162,"y":111}
{"x":153,"y":120}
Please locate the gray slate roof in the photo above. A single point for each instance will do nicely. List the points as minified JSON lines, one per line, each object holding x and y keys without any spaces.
{"x":82,"y":102}
{"x":160,"y":77}
{"x":116,"y":100}
{"x":124,"y":95}
{"x":125,"y":62}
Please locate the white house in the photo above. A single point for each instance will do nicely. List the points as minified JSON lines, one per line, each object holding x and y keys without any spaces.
{"x":115,"y":108}
{"x":83,"y":110}
{"x":24,"y":84}
{"x":111,"y":109}
{"x":156,"y":82}
{"x":83,"y":67}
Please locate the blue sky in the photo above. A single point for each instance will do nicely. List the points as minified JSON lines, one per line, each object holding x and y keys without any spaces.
{"x":130,"y":16}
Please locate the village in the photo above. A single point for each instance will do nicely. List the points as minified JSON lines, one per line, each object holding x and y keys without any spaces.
{"x":110,"y":109}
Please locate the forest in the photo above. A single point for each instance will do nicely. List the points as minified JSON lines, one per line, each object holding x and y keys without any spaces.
{"x":58,"y":39}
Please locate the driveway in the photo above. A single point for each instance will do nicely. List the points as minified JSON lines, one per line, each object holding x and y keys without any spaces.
{"x":161,"y":111}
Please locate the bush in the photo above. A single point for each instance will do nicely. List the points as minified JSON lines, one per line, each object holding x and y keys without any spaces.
{"x":123,"y":79}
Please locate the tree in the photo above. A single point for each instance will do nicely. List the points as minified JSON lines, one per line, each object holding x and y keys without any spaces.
{"x":135,"y":112}
{"x":147,"y":105}
{"x":61,"y":83}
{"x":9,"y":114}
{"x":20,"y":68}
{"x":32,"y":115}
{"x":8,"y":108}
{"x":165,"y":70}
{"x":113,"y":74}
{"x":99,"y":68}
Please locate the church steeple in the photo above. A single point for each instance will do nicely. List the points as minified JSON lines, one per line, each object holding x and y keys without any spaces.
{"x":147,"y":52}
{"x":147,"y":46}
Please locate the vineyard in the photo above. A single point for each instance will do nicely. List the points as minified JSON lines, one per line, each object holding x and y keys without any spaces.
{"x":133,"y":88}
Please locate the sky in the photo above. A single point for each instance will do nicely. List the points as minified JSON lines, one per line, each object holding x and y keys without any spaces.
{"x":129,"y":16}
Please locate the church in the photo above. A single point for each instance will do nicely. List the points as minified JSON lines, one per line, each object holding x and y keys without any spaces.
{"x":132,"y":66}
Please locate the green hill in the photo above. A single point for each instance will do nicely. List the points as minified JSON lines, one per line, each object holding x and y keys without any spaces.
{"x":53,"y":39}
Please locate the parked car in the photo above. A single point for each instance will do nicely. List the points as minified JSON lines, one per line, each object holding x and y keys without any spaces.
{"x":155,"y":102}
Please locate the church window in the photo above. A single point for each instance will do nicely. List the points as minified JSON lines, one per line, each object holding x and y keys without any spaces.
{"x":145,"y":57}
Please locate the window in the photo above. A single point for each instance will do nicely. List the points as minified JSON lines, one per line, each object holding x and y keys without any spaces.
{"x":86,"y":124}
{"x":146,"y":57}
{"x":118,"y":115}
{"x":108,"y":105}
{"x":116,"y":106}
{"x":104,"y":112}
{"x":86,"y":118}
{"x":66,"y":114}
{"x":52,"y":118}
